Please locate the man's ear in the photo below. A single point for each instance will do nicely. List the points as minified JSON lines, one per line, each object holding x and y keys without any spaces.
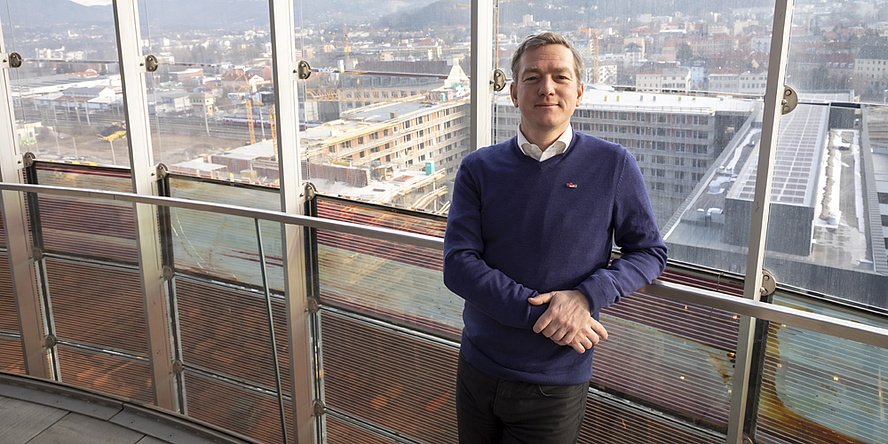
{"x":580,"y":90}
{"x":513,"y":93}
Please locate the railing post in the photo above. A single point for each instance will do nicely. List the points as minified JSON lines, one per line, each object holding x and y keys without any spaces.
{"x":144,"y":173}
{"x":482,"y":73}
{"x":293,"y":197}
{"x":15,"y":224}
{"x":758,"y":233}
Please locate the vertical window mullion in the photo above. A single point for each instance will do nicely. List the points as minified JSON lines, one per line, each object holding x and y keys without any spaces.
{"x":144,"y":174}
{"x":293,"y":198}
{"x":482,"y":73}
{"x":18,"y":248}
{"x":761,"y":211}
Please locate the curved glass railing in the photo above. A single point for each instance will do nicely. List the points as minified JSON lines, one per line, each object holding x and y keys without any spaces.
{"x":385,"y":333}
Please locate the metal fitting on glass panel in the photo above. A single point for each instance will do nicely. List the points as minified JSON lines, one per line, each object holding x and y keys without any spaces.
{"x":303,"y":70}
{"x":310,"y":191}
{"x":49,"y":341}
{"x":499,"y":80}
{"x":313,"y":305}
{"x":167,"y":273}
{"x":178,"y":366}
{"x":769,"y":283}
{"x":28,"y":159}
{"x":37,"y":254}
{"x":319,"y":407}
{"x":790,"y":100}
{"x":10,"y":60}
{"x":162,"y":171}
{"x":151,"y":63}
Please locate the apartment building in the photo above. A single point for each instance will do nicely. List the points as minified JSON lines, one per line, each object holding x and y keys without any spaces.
{"x":658,"y":77}
{"x":871,"y":70}
{"x":737,"y":82}
{"x":384,"y":141}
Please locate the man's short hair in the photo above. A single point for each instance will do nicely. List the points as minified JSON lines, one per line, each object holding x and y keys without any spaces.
{"x":543,"y":39}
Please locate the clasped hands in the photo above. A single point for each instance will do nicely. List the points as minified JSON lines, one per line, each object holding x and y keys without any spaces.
{"x":567,"y":320}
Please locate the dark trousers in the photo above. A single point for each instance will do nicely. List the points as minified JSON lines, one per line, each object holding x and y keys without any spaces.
{"x":493,"y":410}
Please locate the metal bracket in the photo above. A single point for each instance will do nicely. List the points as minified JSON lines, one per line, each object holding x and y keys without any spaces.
{"x":167,"y":273}
{"x":769,"y":283}
{"x":178,"y":367}
{"x":499,"y":80}
{"x":37,"y":254}
{"x":150,"y":64}
{"x":310,"y":191}
{"x":790,"y":100}
{"x":303,"y":70}
{"x":319,"y":407}
{"x":49,"y":341}
{"x":313,"y":305}
{"x":28,"y":159}
{"x":162,"y":171}
{"x":10,"y":60}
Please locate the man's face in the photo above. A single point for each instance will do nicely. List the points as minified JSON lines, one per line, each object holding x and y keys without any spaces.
{"x":546,"y":90}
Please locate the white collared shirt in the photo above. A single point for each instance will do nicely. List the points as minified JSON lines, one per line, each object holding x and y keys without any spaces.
{"x":559,"y":146}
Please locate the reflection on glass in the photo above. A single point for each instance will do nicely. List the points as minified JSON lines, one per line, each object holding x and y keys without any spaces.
{"x":806,"y":397}
{"x":67,"y":96}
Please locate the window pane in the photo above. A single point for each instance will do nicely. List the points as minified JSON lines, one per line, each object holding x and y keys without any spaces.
{"x":66,"y":94}
{"x":386,"y":107}
{"x":679,"y":88}
{"x":211,"y":100}
{"x":807,"y":398}
{"x":827,"y":232}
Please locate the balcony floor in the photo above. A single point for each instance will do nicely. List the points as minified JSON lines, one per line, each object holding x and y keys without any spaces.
{"x":35,"y":411}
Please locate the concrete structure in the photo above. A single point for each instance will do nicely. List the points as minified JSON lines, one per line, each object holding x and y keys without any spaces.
{"x":674,"y":138}
{"x":827,"y":227}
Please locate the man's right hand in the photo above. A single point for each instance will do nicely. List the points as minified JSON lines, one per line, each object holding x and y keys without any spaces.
{"x":567,"y":320}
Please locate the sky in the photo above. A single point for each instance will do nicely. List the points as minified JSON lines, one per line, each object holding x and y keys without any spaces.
{"x":93,"y":2}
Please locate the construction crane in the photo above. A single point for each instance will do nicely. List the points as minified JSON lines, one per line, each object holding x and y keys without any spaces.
{"x":273,"y":118}
{"x":592,"y":49}
{"x":249,"y":102}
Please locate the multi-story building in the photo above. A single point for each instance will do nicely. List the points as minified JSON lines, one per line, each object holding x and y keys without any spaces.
{"x":735,"y":82}
{"x":871,"y":70}
{"x":674,"y":138}
{"x":658,"y":77}
{"x":376,"y":141}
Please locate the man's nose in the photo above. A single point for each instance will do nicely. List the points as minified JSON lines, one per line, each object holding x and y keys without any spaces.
{"x":547,"y":86}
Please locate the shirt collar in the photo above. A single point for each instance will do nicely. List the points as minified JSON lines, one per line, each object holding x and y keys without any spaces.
{"x":558,"y":147}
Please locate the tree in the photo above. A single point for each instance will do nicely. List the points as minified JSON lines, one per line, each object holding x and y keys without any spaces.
{"x":684,"y":53}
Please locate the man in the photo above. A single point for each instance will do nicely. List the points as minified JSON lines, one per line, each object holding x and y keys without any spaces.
{"x":528,"y":243}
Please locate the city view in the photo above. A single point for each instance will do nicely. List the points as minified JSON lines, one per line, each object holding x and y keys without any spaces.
{"x":384,"y":118}
{"x":384,"y":115}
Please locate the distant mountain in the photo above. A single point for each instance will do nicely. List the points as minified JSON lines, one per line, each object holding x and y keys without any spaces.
{"x":191,"y":14}
{"x":457,"y":12}
{"x":160,"y":13}
{"x":438,"y":14}
{"x":26,"y":13}
{"x":402,"y":14}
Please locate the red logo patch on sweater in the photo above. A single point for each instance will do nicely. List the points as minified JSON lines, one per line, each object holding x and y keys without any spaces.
{"x":571,"y":185}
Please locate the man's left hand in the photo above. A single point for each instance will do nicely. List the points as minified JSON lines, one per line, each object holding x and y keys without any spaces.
{"x":568,"y":320}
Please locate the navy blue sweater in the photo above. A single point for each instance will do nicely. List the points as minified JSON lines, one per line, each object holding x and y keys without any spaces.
{"x":518,"y":227}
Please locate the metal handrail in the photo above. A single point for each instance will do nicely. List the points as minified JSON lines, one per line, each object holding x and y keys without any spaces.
{"x":775,"y":313}
{"x":419,"y":240}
